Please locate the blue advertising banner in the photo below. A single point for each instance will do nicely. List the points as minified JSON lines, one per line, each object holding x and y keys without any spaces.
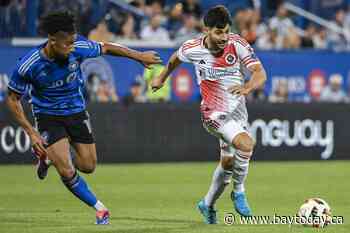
{"x":304,"y":72}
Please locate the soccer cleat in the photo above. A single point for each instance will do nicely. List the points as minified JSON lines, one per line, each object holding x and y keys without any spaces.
{"x":41,"y":168}
{"x":102,"y":217}
{"x":241,"y":204}
{"x":208,"y":213}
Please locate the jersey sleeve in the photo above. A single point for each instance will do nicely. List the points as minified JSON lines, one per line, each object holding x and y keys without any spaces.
{"x":18,"y":83}
{"x":246,"y":53}
{"x":87,"y":48}
{"x":183,"y":53}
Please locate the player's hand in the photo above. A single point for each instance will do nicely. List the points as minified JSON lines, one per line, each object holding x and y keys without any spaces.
{"x":239,"y":90}
{"x":38,"y":144}
{"x":149,"y":58}
{"x":156,"y":84}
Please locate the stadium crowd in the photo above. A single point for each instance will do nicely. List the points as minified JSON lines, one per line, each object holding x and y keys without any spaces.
{"x":180,"y":20}
{"x":177,"y":21}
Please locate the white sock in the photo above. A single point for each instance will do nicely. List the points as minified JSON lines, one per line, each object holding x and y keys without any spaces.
{"x":221,"y":178}
{"x":238,"y":188}
{"x":99,"y":206}
{"x":240,"y":170}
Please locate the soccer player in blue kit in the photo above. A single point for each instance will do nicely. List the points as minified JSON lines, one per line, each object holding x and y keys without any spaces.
{"x":50,"y":73}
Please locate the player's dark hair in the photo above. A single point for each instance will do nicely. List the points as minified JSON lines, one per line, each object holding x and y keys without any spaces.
{"x":217,"y":16}
{"x":58,"y":21}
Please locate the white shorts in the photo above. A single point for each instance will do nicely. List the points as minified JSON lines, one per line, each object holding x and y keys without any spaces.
{"x":225,"y":128}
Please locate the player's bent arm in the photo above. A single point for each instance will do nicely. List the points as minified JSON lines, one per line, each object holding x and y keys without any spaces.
{"x":173,"y":63}
{"x":14,"y":104}
{"x":146,"y":58}
{"x":258,"y":77}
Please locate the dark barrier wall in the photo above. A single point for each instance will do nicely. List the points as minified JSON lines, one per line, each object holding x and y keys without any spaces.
{"x":157,"y":133}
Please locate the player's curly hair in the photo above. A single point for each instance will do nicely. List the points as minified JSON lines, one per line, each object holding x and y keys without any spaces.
{"x":58,"y":21}
{"x":217,"y":16}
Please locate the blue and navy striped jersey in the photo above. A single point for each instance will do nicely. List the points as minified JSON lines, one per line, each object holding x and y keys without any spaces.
{"x":53,"y":88}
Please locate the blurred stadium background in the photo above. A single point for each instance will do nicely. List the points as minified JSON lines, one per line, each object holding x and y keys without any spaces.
{"x":301,"y":114}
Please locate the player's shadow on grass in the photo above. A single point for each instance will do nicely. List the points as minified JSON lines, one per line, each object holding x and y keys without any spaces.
{"x":160,"y":220}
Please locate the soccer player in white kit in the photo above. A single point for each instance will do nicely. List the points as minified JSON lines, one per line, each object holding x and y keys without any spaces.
{"x":219,"y":58}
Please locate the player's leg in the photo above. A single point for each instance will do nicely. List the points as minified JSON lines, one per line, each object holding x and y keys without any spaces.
{"x":244,"y":146}
{"x":51,"y":130}
{"x":81,"y":137}
{"x":86,"y":158}
{"x":221,"y":178}
{"x":235,"y":132}
{"x":85,"y":161}
{"x":80,"y":132}
{"x":222,"y":175}
{"x":59,"y":155}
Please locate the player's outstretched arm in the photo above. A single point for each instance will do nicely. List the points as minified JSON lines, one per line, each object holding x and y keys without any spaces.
{"x":145,"y":58}
{"x":257,"y":79}
{"x":173,"y":63}
{"x":14,"y":104}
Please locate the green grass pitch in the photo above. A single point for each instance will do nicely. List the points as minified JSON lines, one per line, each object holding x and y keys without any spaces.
{"x":162,"y":197}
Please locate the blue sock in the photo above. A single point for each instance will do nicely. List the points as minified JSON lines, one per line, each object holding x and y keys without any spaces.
{"x":80,"y":189}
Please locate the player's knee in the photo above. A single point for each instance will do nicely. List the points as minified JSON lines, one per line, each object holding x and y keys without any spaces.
{"x":91,"y":168}
{"x":246,"y":146}
{"x":244,"y":143}
{"x":66,"y":172}
{"x":87,"y":163}
{"x":88,"y":168}
{"x":226,"y":162}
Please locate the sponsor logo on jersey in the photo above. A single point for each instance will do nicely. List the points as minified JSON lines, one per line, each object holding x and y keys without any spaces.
{"x":219,"y":73}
